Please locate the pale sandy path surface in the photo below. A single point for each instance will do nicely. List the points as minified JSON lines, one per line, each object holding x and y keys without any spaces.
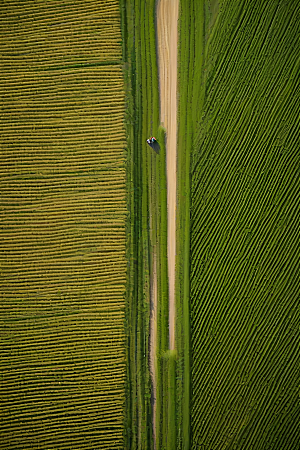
{"x":167,"y":34}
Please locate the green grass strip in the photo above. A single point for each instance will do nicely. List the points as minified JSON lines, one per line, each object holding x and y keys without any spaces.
{"x":171,"y":438}
{"x":191,"y":49}
{"x":142,"y":98}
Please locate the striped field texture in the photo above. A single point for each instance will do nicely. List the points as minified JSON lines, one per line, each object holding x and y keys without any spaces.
{"x":244,"y":230}
{"x":62,"y":226}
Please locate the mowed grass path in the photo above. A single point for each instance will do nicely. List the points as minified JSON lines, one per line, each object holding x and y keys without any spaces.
{"x":63,"y":226}
{"x":244,"y":233}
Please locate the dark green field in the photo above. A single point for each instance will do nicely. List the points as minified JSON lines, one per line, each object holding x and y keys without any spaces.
{"x":241,"y":131}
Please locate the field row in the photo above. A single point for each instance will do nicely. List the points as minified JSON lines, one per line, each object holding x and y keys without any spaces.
{"x":77,"y":323}
{"x":80,"y":234}
{"x":91,"y":255}
{"x":74,"y":98}
{"x":28,"y":151}
{"x":103,"y":49}
{"x":75,"y":163}
{"x":31,"y":356}
{"x":42,"y":196}
{"x":93,"y":79}
{"x":81,"y":86}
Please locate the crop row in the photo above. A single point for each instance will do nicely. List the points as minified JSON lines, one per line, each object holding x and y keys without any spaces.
{"x":65,"y":85}
{"x":41,"y":80}
{"x":48,"y":25}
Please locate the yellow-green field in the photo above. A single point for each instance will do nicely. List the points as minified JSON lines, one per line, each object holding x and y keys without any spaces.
{"x":63,"y":226}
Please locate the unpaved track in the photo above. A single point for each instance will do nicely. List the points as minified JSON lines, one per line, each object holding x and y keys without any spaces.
{"x":167,"y":34}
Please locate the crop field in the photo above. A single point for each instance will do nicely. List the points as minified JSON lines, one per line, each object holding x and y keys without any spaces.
{"x":63,"y":234}
{"x":239,"y":125}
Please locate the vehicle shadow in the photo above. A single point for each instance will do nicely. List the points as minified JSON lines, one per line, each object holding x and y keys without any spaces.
{"x":155,"y":146}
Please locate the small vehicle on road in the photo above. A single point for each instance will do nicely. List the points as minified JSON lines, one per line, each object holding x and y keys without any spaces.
{"x":151,"y":141}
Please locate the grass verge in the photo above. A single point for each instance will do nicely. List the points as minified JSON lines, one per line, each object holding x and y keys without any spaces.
{"x":190,"y":62}
{"x":147,"y":214}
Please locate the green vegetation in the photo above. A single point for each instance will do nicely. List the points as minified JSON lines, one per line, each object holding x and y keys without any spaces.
{"x":63,"y":188}
{"x":243,"y":257}
{"x":163,"y":343}
{"x":163,"y":303}
{"x":190,"y":106}
{"x":147,"y":225}
{"x":171,"y":436}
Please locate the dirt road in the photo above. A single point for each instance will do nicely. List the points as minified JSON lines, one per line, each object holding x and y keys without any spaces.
{"x":167,"y":16}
